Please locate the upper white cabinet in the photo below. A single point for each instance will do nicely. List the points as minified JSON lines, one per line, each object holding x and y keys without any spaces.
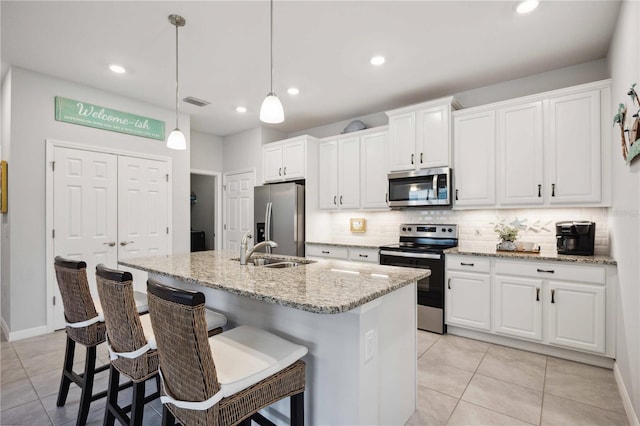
{"x":285,"y":160}
{"x":550,"y":149}
{"x":474,"y":169}
{"x":352,"y":171}
{"x":420,"y":135}
{"x":573,"y":137}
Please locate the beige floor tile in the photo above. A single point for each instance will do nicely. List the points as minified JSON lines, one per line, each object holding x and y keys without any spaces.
{"x":11,"y":370}
{"x":561,"y":411}
{"x":47,"y":343}
{"x":458,"y":352}
{"x":443,"y":378}
{"x":514,"y":366}
{"x":425,"y":340}
{"x":434,"y":408}
{"x":583,"y":383}
{"x":30,"y":414}
{"x":7,"y":352}
{"x":506,"y":398}
{"x":17,"y":393}
{"x":467,"y":414}
{"x":43,"y":362}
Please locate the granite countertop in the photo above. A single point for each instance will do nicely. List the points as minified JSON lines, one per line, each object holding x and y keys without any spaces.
{"x":366,"y":245}
{"x":323,"y":287}
{"x":546,"y":256}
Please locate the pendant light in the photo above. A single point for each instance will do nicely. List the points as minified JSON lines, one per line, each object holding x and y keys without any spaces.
{"x":176,"y":139}
{"x":271,"y":110}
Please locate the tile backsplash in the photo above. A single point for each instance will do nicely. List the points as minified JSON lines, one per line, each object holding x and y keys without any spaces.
{"x":475,"y":227}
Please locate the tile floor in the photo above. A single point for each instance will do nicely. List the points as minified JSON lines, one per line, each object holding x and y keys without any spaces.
{"x":460,"y":382}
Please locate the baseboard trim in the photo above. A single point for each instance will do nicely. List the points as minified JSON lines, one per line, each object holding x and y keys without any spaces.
{"x":24,"y":334}
{"x":626,"y":399}
{"x":5,"y":328}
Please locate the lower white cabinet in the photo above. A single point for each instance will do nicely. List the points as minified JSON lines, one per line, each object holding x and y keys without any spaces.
{"x":357,"y":254}
{"x":555,"y":303}
{"x":354,"y":254}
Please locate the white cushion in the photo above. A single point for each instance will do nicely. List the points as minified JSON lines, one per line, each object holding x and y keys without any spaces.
{"x":145,"y":321}
{"x":246,"y":355}
{"x":214,"y":319}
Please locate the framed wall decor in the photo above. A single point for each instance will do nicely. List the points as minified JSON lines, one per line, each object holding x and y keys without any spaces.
{"x":358,"y":225}
{"x":3,"y":186}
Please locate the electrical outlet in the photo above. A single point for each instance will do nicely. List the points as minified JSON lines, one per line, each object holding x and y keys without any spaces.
{"x":369,"y":345}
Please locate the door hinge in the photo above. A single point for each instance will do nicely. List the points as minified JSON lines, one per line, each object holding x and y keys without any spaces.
{"x":224,"y":187}
{"x":53,"y":233}
{"x":167,"y":229}
{"x":225,"y":226}
{"x":167,"y":176}
{"x":53,"y":166}
{"x":54,"y":301}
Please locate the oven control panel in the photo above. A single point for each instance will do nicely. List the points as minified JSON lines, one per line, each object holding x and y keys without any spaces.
{"x":429,"y":230}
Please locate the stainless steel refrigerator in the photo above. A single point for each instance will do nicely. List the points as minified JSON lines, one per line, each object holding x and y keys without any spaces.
{"x":279,"y":216}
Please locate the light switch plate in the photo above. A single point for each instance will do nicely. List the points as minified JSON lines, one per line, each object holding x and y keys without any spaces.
{"x":369,"y":345}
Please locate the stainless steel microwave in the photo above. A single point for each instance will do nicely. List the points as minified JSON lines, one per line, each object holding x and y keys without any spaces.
{"x":420,"y":188}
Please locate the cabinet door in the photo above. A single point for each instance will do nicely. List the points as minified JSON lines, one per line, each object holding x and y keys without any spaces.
{"x":272,"y":162}
{"x":520,"y":155}
{"x":468,"y":300}
{"x":402,"y":142}
{"x":328,"y":175}
{"x":349,"y":173}
{"x":474,"y":149}
{"x":293,"y":160}
{"x":433,"y":137}
{"x":518,"y":307}
{"x":573,"y":148}
{"x":576,"y":316}
{"x":373,"y":176}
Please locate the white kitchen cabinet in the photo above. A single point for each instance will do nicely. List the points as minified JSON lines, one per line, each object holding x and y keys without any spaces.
{"x":577,"y":316}
{"x":327,"y":250}
{"x":360,"y":254}
{"x":373,"y":170}
{"x":285,"y":160}
{"x":339,"y":173}
{"x":518,"y":307}
{"x":475,"y":149}
{"x":520,"y":154}
{"x":468,"y":293}
{"x":420,"y":135}
{"x":574,"y":148}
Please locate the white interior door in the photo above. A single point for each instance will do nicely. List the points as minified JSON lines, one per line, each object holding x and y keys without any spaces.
{"x":143,"y":212}
{"x":238,"y":208}
{"x":85,"y":220}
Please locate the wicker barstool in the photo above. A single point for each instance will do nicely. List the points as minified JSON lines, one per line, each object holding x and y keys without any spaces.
{"x":226,"y":379}
{"x":84,"y":325}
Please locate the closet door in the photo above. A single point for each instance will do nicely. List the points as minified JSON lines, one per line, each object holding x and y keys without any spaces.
{"x":85,"y":213}
{"x":143,"y":211}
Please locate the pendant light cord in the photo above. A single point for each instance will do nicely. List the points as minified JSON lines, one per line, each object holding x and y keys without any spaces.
{"x":176,"y":75}
{"x":271,"y":44}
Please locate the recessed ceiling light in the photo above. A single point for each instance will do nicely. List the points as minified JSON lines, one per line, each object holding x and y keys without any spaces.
{"x":293,"y":90}
{"x":378,"y":60}
{"x":241,"y":109}
{"x":526,"y":6}
{"x":118,"y":69}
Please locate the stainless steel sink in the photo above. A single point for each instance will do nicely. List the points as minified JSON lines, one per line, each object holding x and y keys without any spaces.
{"x":276,"y":263}
{"x":281,"y":265}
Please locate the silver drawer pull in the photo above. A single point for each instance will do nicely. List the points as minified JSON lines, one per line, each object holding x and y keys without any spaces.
{"x":547,"y":271}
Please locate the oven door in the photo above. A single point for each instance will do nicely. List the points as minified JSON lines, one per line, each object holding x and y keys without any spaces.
{"x":430,"y":289}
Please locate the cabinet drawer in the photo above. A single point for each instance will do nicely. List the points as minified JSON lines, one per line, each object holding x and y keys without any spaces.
{"x":553,"y":270}
{"x":363,"y":255}
{"x":468,"y":263}
{"x":334,"y":252}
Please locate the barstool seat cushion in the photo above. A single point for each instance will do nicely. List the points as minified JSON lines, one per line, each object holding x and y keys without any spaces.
{"x":214,"y":319}
{"x":246,"y":355}
{"x":142,"y":304}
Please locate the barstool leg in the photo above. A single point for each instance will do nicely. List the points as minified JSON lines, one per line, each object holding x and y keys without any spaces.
{"x":112,"y":397}
{"x":67,"y":370}
{"x":297,"y":409}
{"x":167,"y":418}
{"x":87,"y":386}
{"x":137,"y":406}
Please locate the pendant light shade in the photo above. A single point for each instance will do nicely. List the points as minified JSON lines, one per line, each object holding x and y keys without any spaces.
{"x":271,"y":110}
{"x":176,"y":139}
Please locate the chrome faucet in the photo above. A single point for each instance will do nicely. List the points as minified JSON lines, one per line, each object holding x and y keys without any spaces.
{"x":245,"y":254}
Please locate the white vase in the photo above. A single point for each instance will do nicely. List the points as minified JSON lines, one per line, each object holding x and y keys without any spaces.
{"x":507,"y":245}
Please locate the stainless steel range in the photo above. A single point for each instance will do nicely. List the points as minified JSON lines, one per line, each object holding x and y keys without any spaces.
{"x":422,"y":246}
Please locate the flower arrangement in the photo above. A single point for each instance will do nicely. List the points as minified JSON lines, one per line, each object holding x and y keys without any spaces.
{"x":506,"y":232}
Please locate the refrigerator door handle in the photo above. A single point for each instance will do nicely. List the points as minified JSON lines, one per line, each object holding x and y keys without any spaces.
{"x":268,"y":226}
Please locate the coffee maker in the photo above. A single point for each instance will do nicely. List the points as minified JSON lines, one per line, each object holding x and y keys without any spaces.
{"x":575,"y":237}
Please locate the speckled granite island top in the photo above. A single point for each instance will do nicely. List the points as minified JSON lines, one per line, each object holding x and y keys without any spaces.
{"x":324,"y":287}
{"x":546,"y":256}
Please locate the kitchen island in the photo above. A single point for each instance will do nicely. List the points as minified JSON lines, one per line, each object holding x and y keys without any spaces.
{"x":357,"y":320}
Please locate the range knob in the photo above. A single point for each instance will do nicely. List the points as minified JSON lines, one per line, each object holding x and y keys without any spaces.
{"x":404,"y":229}
{"x":449,"y":230}
{"x":445,"y":229}
{"x":409,"y":229}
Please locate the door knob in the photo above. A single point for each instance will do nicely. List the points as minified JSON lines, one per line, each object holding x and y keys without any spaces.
{"x":110,"y":243}
{"x":124,"y":243}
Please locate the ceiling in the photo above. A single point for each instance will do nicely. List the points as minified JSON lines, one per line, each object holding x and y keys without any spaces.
{"x":433,"y":49}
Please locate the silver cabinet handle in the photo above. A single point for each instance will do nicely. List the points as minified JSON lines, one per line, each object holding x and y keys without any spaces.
{"x":335,"y":197}
{"x":280,"y":171}
{"x":539,"y":190}
{"x":456,"y":195}
{"x":341,"y":200}
{"x":284,"y":171}
{"x":553,"y":189}
{"x":110,"y":243}
{"x":412,"y":158}
{"x":421,"y":159}
{"x":553,"y":294}
{"x":124,"y":243}
{"x":449,"y":283}
{"x":537,"y":294}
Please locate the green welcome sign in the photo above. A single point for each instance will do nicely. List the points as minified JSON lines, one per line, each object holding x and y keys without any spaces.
{"x":86,"y":114}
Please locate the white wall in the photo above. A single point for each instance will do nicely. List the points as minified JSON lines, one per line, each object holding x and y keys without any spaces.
{"x":206,"y":151}
{"x":625,"y":213}
{"x":5,"y":119}
{"x":243,"y":151}
{"x":32,"y":122}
